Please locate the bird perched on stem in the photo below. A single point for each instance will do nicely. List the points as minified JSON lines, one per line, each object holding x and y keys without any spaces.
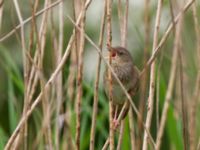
{"x":128,"y":74}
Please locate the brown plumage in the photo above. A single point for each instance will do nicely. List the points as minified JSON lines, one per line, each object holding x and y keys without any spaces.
{"x":128,"y":74}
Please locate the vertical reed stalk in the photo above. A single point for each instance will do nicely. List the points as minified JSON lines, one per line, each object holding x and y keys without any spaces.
{"x":152,"y":77}
{"x":184,"y":110}
{"x":109,"y":43}
{"x":59,"y":88}
{"x":132,"y":130}
{"x":96,"y":87}
{"x":80,"y":76}
{"x":194,"y":103}
{"x":144,"y":78}
{"x":23,"y":132}
{"x":121,"y":132}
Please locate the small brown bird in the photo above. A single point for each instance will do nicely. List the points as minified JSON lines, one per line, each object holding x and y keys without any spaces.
{"x":128,"y":74}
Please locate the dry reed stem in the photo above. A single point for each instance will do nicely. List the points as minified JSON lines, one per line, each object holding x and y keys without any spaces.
{"x":152,"y":77}
{"x":76,"y":11}
{"x":121,"y":133}
{"x":158,"y":93}
{"x":144,"y":78}
{"x":80,"y":76}
{"x":184,"y":109}
{"x":96,"y":87}
{"x":131,"y":128}
{"x":70,"y":85}
{"x":194,"y":103}
{"x":109,"y":44}
{"x":194,"y":107}
{"x":59,"y":88}
{"x":170,"y":87}
{"x":46,"y":115}
{"x":121,"y":21}
{"x":23,"y":132}
{"x":29,"y":19}
{"x":115,"y":76}
{"x":125,"y":25}
{"x":47,"y":85}
{"x":105,"y":144}
{"x":183,"y":104}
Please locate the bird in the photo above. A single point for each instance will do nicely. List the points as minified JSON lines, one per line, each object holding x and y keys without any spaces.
{"x":123,"y":66}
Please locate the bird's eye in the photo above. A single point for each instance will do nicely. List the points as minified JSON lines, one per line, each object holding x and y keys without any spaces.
{"x":120,"y":53}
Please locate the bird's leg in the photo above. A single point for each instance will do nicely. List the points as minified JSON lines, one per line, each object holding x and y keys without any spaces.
{"x":115,"y":121}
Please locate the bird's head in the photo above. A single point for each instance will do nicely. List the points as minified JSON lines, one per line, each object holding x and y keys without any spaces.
{"x":120,"y":55}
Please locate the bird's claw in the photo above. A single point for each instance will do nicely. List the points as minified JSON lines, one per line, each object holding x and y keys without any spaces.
{"x":115,"y":123}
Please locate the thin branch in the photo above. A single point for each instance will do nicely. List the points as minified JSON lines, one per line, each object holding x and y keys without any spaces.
{"x":152,"y":77}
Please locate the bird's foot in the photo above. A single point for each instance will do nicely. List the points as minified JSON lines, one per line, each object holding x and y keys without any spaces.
{"x":115,"y":123}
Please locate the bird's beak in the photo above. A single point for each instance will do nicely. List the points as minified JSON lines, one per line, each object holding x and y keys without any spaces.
{"x":110,"y":49}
